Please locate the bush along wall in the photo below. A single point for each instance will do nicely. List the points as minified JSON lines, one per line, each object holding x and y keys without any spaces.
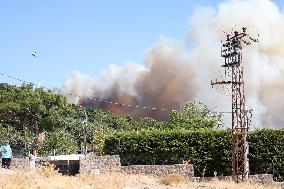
{"x":208,"y":150}
{"x":266,"y":148}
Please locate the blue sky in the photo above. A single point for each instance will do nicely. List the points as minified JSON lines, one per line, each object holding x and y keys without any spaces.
{"x":85,"y":35}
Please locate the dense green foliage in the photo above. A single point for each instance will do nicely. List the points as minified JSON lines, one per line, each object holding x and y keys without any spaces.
{"x":267,"y":151}
{"x":26,"y":112}
{"x":209,"y":149}
{"x":195,"y":115}
{"x":29,"y":109}
{"x":58,"y":142}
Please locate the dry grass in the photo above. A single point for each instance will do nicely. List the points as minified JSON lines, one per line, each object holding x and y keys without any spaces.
{"x":173,"y":179}
{"x":178,"y":181}
{"x":47,"y":178}
{"x":218,"y":184}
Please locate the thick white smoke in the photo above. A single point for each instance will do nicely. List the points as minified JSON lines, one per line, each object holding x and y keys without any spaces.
{"x":174,"y":73}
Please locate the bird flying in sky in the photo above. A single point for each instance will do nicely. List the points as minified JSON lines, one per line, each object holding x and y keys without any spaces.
{"x":34,"y":54}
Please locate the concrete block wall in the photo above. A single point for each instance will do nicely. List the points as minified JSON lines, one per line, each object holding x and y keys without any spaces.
{"x":19,"y":163}
{"x":158,"y":170}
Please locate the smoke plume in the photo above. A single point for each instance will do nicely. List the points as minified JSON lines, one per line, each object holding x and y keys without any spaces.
{"x":177,"y":71}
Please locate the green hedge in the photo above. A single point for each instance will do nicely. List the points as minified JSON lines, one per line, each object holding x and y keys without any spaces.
{"x":267,"y":148}
{"x":210,"y":148}
{"x":170,"y":147}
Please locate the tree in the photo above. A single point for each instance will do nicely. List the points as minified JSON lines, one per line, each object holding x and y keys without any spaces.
{"x":148,"y":123}
{"x":195,"y":115}
{"x":31,"y":108}
{"x":59,"y":142}
{"x":99,"y":125}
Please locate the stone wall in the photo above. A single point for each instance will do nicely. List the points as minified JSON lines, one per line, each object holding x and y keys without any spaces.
{"x":19,"y":163}
{"x":99,"y":164}
{"x":109,"y":163}
{"x":158,"y":170}
{"x":262,"y":178}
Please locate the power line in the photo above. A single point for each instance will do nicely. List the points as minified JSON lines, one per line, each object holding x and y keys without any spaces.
{"x":62,"y":91}
{"x":90,"y":98}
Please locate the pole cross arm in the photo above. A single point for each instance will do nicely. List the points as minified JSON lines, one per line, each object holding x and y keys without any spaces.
{"x":226,"y":82}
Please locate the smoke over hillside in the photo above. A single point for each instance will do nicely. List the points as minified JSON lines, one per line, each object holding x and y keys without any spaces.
{"x":177,"y":71}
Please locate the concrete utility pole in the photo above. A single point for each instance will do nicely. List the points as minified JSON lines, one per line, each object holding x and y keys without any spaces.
{"x":248,"y":114}
{"x":85,"y":132}
{"x":231,"y":53}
